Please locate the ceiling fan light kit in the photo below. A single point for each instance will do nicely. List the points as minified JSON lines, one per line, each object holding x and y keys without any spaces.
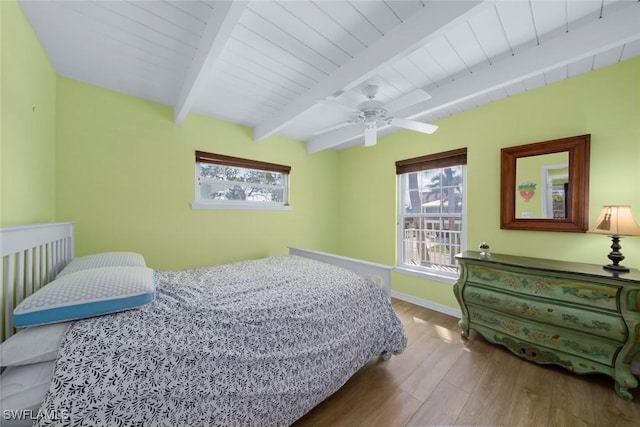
{"x":373,"y":114}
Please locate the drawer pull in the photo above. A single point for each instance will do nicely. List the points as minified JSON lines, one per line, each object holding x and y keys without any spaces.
{"x":532,"y":353}
{"x":529,"y":353}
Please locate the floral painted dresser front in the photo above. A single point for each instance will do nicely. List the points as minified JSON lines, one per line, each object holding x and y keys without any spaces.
{"x":579,"y":316}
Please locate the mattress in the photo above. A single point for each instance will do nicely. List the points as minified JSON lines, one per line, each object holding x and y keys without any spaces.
{"x":251,"y":343}
{"x":22,"y":390}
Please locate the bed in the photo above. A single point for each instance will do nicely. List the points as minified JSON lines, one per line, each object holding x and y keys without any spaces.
{"x":258,"y":342}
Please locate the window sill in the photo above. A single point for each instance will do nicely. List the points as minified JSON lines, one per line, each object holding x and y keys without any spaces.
{"x":241,"y":206}
{"x":442,"y":278}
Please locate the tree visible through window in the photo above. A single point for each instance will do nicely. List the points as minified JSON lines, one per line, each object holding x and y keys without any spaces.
{"x":230,"y":180}
{"x":431,"y":211}
{"x":232,"y":183}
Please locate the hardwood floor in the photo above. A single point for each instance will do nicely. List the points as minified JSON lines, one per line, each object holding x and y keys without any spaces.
{"x":441,"y":379}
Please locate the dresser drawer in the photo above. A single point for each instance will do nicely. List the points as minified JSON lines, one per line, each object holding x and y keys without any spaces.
{"x":548,"y":311}
{"x":569,"y":290}
{"x":539,"y":354}
{"x":585,"y":346}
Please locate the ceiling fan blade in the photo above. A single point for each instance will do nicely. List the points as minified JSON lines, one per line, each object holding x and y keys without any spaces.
{"x":413,"y":125}
{"x":406,"y":100}
{"x":370,"y":134}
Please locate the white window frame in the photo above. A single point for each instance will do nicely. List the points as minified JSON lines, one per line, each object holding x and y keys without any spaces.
{"x":436,"y":274}
{"x":236,"y":162}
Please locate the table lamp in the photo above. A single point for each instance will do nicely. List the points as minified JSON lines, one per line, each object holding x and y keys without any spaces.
{"x":616,"y":221}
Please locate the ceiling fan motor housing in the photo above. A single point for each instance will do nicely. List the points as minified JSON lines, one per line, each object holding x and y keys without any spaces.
{"x":373,"y":115}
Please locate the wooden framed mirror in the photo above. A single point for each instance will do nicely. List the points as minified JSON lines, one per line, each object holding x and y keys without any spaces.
{"x":545,"y":185}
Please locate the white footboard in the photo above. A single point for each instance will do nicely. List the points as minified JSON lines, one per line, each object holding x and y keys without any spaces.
{"x":379,"y":273}
{"x":31,"y":257}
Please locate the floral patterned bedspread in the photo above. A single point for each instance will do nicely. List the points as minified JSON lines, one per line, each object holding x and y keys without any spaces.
{"x":250,"y":343}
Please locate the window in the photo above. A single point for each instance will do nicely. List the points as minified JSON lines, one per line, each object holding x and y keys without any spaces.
{"x":224,"y":182}
{"x":431,"y":222}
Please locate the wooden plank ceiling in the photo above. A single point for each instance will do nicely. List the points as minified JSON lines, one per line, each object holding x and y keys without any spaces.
{"x":297,"y":67}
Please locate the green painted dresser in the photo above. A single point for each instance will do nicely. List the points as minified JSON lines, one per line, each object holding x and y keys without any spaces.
{"x":575,"y":315}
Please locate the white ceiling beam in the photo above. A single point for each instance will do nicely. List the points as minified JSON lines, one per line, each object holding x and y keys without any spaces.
{"x":430,"y":22}
{"x":222,"y":20}
{"x":593,"y":38}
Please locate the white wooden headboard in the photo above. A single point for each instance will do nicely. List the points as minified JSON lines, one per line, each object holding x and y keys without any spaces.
{"x":380,"y":274}
{"x":32,"y":255}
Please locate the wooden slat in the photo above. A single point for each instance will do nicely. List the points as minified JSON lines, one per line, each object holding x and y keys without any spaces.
{"x":31,"y":257}
{"x":517,"y":23}
{"x":28,"y":273}
{"x":273,"y":76}
{"x":378,"y":14}
{"x":8,"y":286}
{"x":87,"y":34}
{"x":281,"y":56}
{"x":174,"y":15}
{"x":19,"y":285}
{"x":441,"y":49}
{"x":284,"y":57}
{"x":404,"y":9}
{"x":237,"y":51}
{"x":304,"y":34}
{"x":487,"y":28}
{"x":262,"y":101}
{"x":467,"y":47}
{"x":199,"y":9}
{"x":549,"y":16}
{"x":395,"y":83}
{"x":265,"y":84}
{"x":65,"y":251}
{"x":37,"y":269}
{"x":326,"y":25}
{"x":49,"y":258}
{"x":285,"y":42}
{"x":3,"y":298}
{"x":54,"y":259}
{"x":128,"y":14}
{"x":348,"y":17}
{"x":236,"y":105}
{"x":136,"y":34}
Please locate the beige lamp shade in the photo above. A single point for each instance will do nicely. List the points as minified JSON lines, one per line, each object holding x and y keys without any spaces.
{"x":616,"y":220}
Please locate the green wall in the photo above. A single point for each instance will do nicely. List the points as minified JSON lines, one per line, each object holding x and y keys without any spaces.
{"x":27,"y":123}
{"x":125,"y":173}
{"x":604,"y":103}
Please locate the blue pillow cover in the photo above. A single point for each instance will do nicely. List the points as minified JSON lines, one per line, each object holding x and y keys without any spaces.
{"x":87,"y":293}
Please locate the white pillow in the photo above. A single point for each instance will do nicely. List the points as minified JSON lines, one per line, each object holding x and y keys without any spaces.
{"x":87,"y":293}
{"x":104,"y":259}
{"x":33,"y":344}
{"x":24,"y":387}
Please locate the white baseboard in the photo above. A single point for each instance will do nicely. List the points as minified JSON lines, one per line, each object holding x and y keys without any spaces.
{"x":427,"y":304}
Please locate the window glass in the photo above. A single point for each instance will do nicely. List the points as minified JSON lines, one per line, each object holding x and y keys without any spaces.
{"x":431,"y":218}
{"x":224,"y":184}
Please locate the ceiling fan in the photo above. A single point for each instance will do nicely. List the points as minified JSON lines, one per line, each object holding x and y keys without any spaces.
{"x":372,"y":114}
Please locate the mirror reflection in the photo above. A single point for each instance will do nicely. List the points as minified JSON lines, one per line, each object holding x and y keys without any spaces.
{"x":555,"y":185}
{"x":542,"y":186}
